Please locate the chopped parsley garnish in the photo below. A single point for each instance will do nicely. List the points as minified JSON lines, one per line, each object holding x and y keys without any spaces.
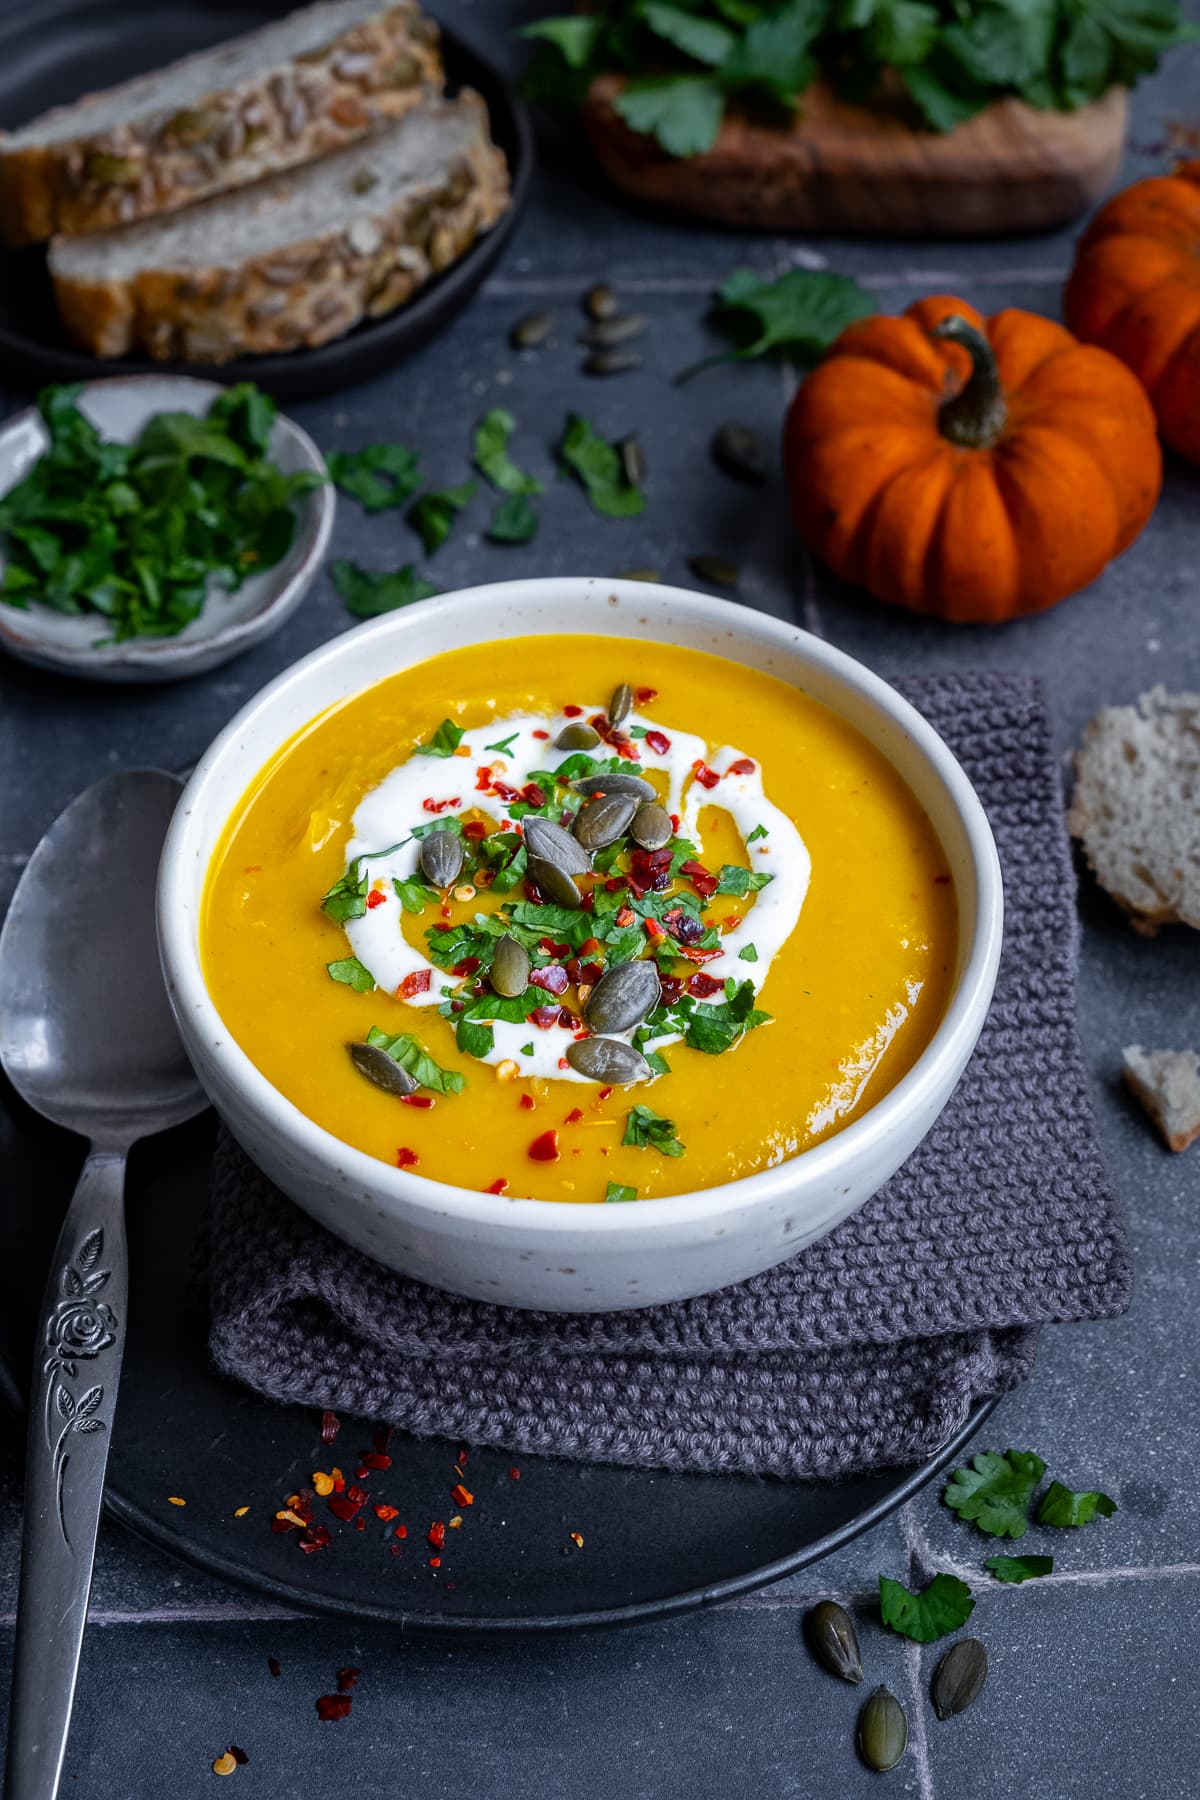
{"x":505,"y":744}
{"x":526,"y":1049}
{"x":489,"y":453}
{"x":412,"y":1056}
{"x":1016,"y":1569}
{"x":648,"y":1130}
{"x":368,"y":593}
{"x":615,"y":1191}
{"x":444,"y":742}
{"x":760,"y":831}
{"x":347,"y":898}
{"x":138,"y":533}
{"x":711,"y":1026}
{"x":940,"y":1608}
{"x":748,"y":954}
{"x":598,"y":465}
{"x":514,"y":521}
{"x":413,"y":896}
{"x":1060,"y":1506}
{"x":433,"y":516}
{"x":802,"y":312}
{"x":352,"y":974}
{"x":377,"y":476}
{"x":996,"y":1491}
{"x":733,"y":879}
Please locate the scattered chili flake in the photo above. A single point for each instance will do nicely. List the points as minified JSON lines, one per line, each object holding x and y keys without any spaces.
{"x":654,"y":931}
{"x":435,"y":1562}
{"x":505,"y":792}
{"x":330,"y":1426}
{"x":467,"y":966}
{"x":625,"y":916}
{"x":357,"y":1496}
{"x":572,"y":712}
{"x":590,"y":947}
{"x":437,"y":1535}
{"x":574,"y":1116}
{"x":676,"y":821}
{"x":577,"y":1539}
{"x":533,"y":793}
{"x":174,"y":1500}
{"x":274,"y":1665}
{"x":707,"y":777}
{"x":415,"y":983}
{"x":334,"y":1707}
{"x":731,"y":923}
{"x":239,"y":1512}
{"x":292,"y":1518}
{"x":421,"y":1101}
{"x":360,"y":1524}
{"x":544,"y":1017}
{"x":605,"y":1093}
{"x":375,"y":898}
{"x":475,"y":828}
{"x":343,"y":1507}
{"x":700,"y":956}
{"x":659,"y":742}
{"x":346,"y":1679}
{"x":527,"y":1103}
{"x":315,"y":1538}
{"x":553,"y":979}
{"x":322,"y":1483}
{"x":386,"y":1513}
{"x":745,"y":765}
{"x":461,"y":1495}
{"x":544,"y":1148}
{"x":553,"y":948}
{"x":440,"y":806}
{"x":376,"y":1459}
{"x":514,"y":1474}
{"x":406,"y":1158}
{"x":455,"y":1523}
{"x":483,"y":780}
{"x":539,"y":734}
{"x":498,"y":1186}
{"x":702,"y":879}
{"x":225,"y":1764}
{"x":702,"y":986}
{"x":401,"y":1531}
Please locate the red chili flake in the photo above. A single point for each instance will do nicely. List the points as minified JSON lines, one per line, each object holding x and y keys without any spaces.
{"x":605,"y":1093}
{"x":498,"y":1186}
{"x":386,"y":1513}
{"x":625,"y":916}
{"x":553,"y":979}
{"x":941,"y":881}
{"x":572,"y":712}
{"x":467,"y":966}
{"x":675,"y":822}
{"x":563,"y":1063}
{"x":544,"y":1017}
{"x":553,"y":948}
{"x":416,"y":983}
{"x":315,"y":1538}
{"x":334,"y":1707}
{"x":745,"y":765}
{"x":483,"y":780}
{"x":533,"y":793}
{"x":360,"y":1524}
{"x":704,"y":986}
{"x":614,"y":883}
{"x":435,"y":1562}
{"x":440,"y":806}
{"x":406,"y":1158}
{"x":574,"y":1116}
{"x":342,"y":1507}
{"x":650,"y":869}
{"x":504,"y":792}
{"x":702,"y":879}
{"x":361,"y":1473}
{"x":624,"y":748}
{"x":423,"y":1101}
{"x":659,"y":742}
{"x":544,"y":1148}
{"x":514,"y":1474}
{"x":731,"y":923}
{"x":437,"y":1535}
{"x":700,"y":956}
{"x":704,"y":775}
{"x":375,"y":898}
{"x":539,"y":734}
{"x":644,"y":696}
{"x":376,"y":1459}
{"x":654,"y":931}
{"x":330,"y":1426}
{"x":274,"y":1665}
{"x":462,"y":1496}
{"x":346,"y":1679}
{"x":590,"y":947}
{"x":533,"y":892}
{"x":357,"y":1496}
{"x":526,"y":1103}
{"x":475,"y":828}
{"x":280,"y":1526}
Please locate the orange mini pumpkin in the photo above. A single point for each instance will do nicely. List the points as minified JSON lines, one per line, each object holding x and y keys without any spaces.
{"x":1135,"y":289}
{"x":972,"y":468}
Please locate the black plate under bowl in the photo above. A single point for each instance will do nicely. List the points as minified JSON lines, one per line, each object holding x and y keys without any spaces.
{"x":654,"y":1544}
{"x":52,"y":53}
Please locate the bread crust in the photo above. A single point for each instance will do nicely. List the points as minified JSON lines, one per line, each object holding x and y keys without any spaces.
{"x":368,"y":76}
{"x":304,"y":294}
{"x":1176,"y":1114}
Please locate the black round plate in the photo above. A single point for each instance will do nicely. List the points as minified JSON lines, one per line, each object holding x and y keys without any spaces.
{"x":654,"y":1544}
{"x":52,"y":53}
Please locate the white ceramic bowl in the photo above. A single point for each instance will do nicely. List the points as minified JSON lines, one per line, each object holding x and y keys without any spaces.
{"x":229,"y":623}
{"x":534,"y":1253}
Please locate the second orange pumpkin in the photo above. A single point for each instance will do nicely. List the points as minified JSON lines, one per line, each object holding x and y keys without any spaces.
{"x":972,"y":468}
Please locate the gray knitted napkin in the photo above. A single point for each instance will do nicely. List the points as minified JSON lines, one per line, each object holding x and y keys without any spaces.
{"x":868,"y":1348}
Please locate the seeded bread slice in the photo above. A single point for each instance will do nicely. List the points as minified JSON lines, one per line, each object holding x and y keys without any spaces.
{"x":1167,"y":1082}
{"x":314,"y":81}
{"x":296,"y":260}
{"x":1136,"y":807}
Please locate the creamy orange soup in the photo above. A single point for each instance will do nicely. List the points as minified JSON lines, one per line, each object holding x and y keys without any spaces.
{"x":798,"y":922}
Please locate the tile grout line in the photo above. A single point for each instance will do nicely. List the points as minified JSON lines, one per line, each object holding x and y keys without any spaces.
{"x":502,"y":286}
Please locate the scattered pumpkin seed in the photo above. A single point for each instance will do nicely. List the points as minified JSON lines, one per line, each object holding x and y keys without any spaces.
{"x":651,"y":826}
{"x":616,"y":783}
{"x":882,"y":1730}
{"x":553,"y":882}
{"x":382,"y":1069}
{"x":833,"y":1640}
{"x":608,"y":1060}
{"x":624,"y":996}
{"x":715,"y":569}
{"x":604,"y":820}
{"x":577,"y":736}
{"x":509,"y":973}
{"x":531,"y":331}
{"x":618,"y":328}
{"x":959,"y":1677}
{"x":550,"y":843}
{"x":600,"y":302}
{"x":611,"y":362}
{"x":633,"y":461}
{"x":621,"y":704}
{"x":741,"y":453}
{"x":638,"y":575}
{"x":441,"y":858}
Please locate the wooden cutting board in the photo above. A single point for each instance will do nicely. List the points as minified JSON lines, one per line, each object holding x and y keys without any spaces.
{"x":870,"y":170}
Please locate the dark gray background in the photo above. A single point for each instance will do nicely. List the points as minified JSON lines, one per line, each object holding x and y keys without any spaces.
{"x":1093,"y":1686}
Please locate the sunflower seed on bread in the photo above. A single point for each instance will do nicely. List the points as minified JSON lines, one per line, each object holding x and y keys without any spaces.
{"x":292,"y":261}
{"x":1136,"y":807}
{"x":1167,"y":1082}
{"x":308,"y":83}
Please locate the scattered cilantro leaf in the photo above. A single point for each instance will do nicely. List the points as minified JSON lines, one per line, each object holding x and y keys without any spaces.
{"x":432,"y":517}
{"x":413,"y":896}
{"x":352,"y":974}
{"x":377,"y":476}
{"x":505,"y":744}
{"x":996,"y":1491}
{"x":733,"y":879}
{"x":526,"y":1049}
{"x":802,"y":312}
{"x":940,"y":1608}
{"x":444,"y":742}
{"x":473,"y":1038}
{"x":760,"y":831}
{"x":748,"y":953}
{"x":648,"y":1130}
{"x":1016,"y":1569}
{"x":597,"y":463}
{"x":1061,"y":1506}
{"x":615,"y":1191}
{"x":370,"y":592}
{"x":514,"y":521}
{"x":489,"y":452}
{"x":411,"y":1054}
{"x":347,"y":898}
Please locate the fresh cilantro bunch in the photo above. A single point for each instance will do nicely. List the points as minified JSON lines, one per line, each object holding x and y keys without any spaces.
{"x":140,"y":532}
{"x":688,"y":59}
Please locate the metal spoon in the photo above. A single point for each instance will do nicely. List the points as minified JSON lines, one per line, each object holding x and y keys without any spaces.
{"x":87,"y":1039}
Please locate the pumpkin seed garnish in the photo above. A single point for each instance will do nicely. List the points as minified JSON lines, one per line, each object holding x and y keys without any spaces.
{"x":531,"y":330}
{"x":624,"y":996}
{"x":651,"y":826}
{"x":618,"y":328}
{"x":441,"y":858}
{"x":833,"y":1640}
{"x":633,"y":461}
{"x":882,"y":1730}
{"x":600,"y":302}
{"x":509,"y":973}
{"x":715,"y":569}
{"x":603,"y":820}
{"x":621,"y":704}
{"x":741,"y":453}
{"x":577,"y":736}
{"x":608,"y":1060}
{"x":616,"y":783}
{"x":553,"y":882}
{"x":550,"y":843}
{"x":959,"y":1677}
{"x":611,"y":362}
{"x":381,"y":1069}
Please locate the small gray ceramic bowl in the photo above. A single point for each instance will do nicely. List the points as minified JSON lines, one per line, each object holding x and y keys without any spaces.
{"x":229,"y":623}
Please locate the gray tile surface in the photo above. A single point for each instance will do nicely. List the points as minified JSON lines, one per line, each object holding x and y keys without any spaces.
{"x":1093,"y":1689}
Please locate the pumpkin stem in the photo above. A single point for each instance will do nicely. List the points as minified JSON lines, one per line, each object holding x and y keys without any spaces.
{"x":975,"y":416}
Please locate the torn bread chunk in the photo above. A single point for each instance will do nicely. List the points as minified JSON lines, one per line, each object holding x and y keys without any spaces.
{"x":1167,"y":1082}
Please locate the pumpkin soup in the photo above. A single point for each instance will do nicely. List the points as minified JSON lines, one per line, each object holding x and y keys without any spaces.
{"x":629,"y":921}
